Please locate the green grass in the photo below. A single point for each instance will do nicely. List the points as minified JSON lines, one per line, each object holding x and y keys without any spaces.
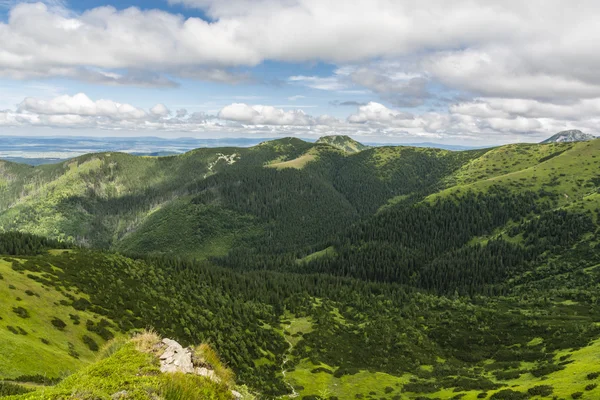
{"x":346,"y":387}
{"x":573,"y":378}
{"x":297,"y":163}
{"x":133,"y":372}
{"x":344,"y":143}
{"x":569,"y":174}
{"x":327,"y":252}
{"x":27,"y":354}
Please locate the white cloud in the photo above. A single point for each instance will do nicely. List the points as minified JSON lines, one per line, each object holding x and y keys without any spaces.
{"x":321,"y":83}
{"x":264,"y":115}
{"x":375,"y":112}
{"x":488,"y":120}
{"x":537,"y":49}
{"x":512,"y":108}
{"x":81,"y":105}
{"x":160,"y":110}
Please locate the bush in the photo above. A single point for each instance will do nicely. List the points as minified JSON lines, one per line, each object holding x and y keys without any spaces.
{"x":72,"y":352}
{"x":541,"y":390}
{"x":482,"y":395}
{"x":45,"y":341}
{"x":507,"y":375}
{"x":58,"y":323}
{"x":321,"y":369}
{"x":16,"y":330}
{"x":546,"y":369}
{"x":591,"y":386}
{"x":576,"y":395}
{"x":10,"y":389}
{"x":101,"y":328}
{"x":12,"y":329}
{"x":341,"y":371}
{"x":509,"y":394}
{"x":388,"y":389}
{"x":75,"y":318}
{"x":421,"y":387}
{"x":593,"y":375}
{"x":21,"y":312}
{"x":93,"y":346}
{"x":41,"y":379}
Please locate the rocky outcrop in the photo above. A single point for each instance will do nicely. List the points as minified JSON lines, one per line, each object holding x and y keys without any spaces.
{"x":175,"y":358}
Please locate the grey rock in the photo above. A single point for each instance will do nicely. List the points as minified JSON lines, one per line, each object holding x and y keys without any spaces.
{"x":175,"y":358}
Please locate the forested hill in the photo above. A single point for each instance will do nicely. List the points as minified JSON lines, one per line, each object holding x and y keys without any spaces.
{"x":286,"y":195}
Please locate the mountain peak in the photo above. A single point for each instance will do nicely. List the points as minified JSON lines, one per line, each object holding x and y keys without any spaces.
{"x":344,"y":143}
{"x":573,"y":135}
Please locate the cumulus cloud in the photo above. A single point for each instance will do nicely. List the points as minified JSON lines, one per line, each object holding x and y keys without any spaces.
{"x":81,"y":105}
{"x":160,"y":110}
{"x":495,"y":120}
{"x":264,"y":115}
{"x":537,"y":49}
{"x":375,"y":112}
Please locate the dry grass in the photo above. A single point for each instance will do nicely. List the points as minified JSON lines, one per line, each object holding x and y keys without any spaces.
{"x":147,"y":341}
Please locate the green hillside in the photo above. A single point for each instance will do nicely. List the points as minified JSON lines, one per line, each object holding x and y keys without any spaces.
{"x":391,"y":272}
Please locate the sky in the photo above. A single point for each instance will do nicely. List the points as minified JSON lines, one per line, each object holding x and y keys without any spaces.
{"x":391,"y":71}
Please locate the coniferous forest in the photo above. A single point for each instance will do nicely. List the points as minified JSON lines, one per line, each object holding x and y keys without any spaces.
{"x":326,"y":271}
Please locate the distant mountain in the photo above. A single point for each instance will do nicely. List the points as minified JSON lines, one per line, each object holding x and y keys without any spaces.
{"x":574,"y":135}
{"x":343,"y":142}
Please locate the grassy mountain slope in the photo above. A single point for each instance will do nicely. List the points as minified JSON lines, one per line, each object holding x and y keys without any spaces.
{"x":130,"y":370}
{"x":344,"y":143}
{"x":566,"y":169}
{"x":41,"y":332}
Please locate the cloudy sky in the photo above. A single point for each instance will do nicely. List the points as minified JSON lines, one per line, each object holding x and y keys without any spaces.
{"x":405,"y":71}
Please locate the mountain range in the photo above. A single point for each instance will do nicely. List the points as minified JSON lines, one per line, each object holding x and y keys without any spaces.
{"x":327,"y":269}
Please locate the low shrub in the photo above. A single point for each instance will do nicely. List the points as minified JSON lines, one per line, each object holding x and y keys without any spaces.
{"x":11,"y":389}
{"x":21,"y":312}
{"x":321,"y":369}
{"x":541,"y":390}
{"x":91,"y":343}
{"x":546,"y":369}
{"x":509,"y":394}
{"x":58,"y":323}
{"x":593,"y":375}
